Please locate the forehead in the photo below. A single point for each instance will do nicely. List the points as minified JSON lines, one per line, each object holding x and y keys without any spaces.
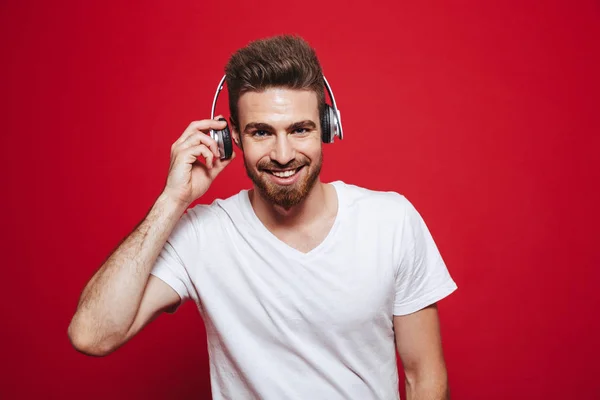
{"x":276,"y":104}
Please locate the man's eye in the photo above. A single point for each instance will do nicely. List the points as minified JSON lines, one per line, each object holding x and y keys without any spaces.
{"x":300,"y":130}
{"x":260,"y":133}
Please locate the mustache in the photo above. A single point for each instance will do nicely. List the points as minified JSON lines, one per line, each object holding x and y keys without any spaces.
{"x":272,"y":164}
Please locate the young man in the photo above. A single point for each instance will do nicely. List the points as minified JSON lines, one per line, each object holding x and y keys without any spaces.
{"x":307,"y":289}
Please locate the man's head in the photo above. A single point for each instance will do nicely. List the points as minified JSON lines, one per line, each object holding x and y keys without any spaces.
{"x":276,"y":99}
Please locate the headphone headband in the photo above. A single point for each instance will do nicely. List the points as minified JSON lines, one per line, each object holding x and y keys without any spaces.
{"x":338,"y":117}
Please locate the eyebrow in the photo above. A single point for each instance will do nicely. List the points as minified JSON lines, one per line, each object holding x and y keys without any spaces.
{"x":266,"y":127}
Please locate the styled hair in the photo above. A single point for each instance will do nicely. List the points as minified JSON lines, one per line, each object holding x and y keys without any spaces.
{"x":280,"y":61}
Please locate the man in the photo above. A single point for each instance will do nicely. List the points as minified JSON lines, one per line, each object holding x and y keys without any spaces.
{"x":306,"y":288}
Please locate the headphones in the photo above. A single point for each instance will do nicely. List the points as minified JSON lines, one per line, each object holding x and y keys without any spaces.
{"x":331,"y":124}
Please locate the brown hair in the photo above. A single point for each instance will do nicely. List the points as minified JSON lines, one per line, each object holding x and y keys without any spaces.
{"x":279,"y":61}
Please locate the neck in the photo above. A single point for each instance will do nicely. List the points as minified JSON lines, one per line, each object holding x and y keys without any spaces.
{"x":313,"y":206}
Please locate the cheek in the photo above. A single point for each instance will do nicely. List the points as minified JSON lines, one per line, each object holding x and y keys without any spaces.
{"x":254,"y":155}
{"x":311,"y":148}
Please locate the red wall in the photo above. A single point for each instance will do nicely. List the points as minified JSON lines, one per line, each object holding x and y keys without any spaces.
{"x":484,"y":115}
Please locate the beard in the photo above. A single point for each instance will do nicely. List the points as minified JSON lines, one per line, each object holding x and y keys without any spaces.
{"x":285,"y":196}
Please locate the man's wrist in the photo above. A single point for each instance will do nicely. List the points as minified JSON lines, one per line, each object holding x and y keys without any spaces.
{"x":170,"y":205}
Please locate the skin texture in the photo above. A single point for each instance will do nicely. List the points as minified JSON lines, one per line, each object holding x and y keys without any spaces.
{"x":122,"y":297}
{"x":419,"y":345}
{"x":279,"y":129}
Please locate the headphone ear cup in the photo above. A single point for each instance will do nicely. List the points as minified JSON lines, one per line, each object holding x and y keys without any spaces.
{"x":225,"y":143}
{"x":326,"y":125}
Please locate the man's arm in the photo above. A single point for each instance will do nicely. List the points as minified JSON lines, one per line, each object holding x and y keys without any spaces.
{"x":419,"y":345}
{"x":122,"y":297}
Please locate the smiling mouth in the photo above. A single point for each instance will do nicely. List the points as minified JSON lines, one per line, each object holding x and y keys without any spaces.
{"x":285,"y":174}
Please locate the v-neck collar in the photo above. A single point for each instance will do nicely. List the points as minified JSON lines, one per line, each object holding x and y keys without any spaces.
{"x":257,"y":223}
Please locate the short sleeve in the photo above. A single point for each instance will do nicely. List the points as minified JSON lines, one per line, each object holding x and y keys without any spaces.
{"x":422,"y":277}
{"x":177,"y":255}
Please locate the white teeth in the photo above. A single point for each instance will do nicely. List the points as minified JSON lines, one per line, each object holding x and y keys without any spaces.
{"x":284,"y":174}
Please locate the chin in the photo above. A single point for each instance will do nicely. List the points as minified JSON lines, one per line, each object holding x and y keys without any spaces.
{"x":285,"y":195}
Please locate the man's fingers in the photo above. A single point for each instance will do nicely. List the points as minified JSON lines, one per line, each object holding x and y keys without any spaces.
{"x":200,"y":138}
{"x":203,"y":126}
{"x":206,"y":124}
{"x":201,"y":150}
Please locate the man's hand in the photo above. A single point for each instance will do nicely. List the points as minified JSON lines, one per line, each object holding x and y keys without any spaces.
{"x":188,"y":178}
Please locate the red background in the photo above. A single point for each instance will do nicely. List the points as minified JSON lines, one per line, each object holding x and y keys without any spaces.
{"x":484,"y":114}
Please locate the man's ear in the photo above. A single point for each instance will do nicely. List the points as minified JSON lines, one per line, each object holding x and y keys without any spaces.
{"x":235,"y":134}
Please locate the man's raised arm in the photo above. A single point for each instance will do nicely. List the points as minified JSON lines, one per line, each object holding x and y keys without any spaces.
{"x":122,"y":296}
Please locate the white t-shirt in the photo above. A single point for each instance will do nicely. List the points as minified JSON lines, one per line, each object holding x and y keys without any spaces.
{"x":282,"y":324}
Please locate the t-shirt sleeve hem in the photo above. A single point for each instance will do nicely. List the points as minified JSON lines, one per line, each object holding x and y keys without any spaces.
{"x":172,"y":281}
{"x":426,"y":300}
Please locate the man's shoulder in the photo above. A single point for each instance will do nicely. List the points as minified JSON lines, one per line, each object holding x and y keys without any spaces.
{"x":377,"y":199}
{"x":216,"y":209}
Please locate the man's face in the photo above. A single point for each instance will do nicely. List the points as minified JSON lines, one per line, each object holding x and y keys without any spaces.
{"x":280,"y":136}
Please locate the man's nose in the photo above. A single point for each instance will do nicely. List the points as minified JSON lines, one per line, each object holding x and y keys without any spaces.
{"x":283,"y":150}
